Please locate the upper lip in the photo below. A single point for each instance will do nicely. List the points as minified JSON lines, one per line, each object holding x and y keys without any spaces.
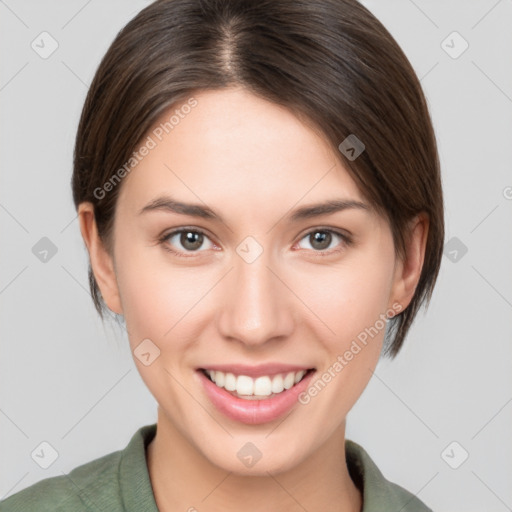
{"x":257,"y":370}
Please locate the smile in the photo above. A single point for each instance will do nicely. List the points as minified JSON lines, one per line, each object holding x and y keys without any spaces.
{"x":254,"y":395}
{"x":249,"y":388}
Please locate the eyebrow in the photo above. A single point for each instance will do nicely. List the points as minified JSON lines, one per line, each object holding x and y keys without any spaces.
{"x":166,"y":203}
{"x":332,"y":206}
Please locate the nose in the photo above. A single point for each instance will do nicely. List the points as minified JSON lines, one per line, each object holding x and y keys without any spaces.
{"x":256,"y":306}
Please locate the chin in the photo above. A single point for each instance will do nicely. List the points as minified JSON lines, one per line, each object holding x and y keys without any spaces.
{"x":253,"y":458}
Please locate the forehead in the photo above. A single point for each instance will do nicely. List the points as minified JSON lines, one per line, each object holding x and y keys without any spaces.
{"x":234,"y":146}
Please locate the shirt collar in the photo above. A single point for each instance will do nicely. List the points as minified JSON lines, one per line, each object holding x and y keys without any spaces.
{"x":134,"y":482}
{"x":379,"y":494}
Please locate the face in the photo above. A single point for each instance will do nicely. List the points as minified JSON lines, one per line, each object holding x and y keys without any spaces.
{"x":251,"y":282}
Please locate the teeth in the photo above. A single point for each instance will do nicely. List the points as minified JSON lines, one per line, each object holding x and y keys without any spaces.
{"x":220,"y":378}
{"x":253,"y":388}
{"x":229,"y":381}
{"x":289,"y":380}
{"x":277,"y":384}
{"x":262,"y":386}
{"x":244,"y":385}
{"x":299,"y":375}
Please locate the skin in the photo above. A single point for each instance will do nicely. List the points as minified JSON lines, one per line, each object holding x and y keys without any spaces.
{"x":253,"y":162}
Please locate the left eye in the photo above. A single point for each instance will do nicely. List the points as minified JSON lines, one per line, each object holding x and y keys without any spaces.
{"x":321,"y":239}
{"x":191,"y":240}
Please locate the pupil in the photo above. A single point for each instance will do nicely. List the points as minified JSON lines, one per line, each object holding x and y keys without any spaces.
{"x":191,"y":240}
{"x":323,"y":238}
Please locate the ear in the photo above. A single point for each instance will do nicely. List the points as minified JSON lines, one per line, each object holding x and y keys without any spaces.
{"x":101,"y":262}
{"x":408,"y":269}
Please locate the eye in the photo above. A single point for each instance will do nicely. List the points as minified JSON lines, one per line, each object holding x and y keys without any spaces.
{"x":191,"y":240}
{"x":321,"y":239}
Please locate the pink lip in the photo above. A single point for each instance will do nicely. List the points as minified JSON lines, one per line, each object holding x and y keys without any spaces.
{"x":269,"y":369}
{"x":253,"y":412}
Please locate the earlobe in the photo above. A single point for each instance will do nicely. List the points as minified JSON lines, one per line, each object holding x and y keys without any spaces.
{"x":101,"y":261}
{"x":408,"y":269}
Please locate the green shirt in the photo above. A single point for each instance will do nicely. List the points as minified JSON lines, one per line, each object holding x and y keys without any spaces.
{"x":120,"y":482}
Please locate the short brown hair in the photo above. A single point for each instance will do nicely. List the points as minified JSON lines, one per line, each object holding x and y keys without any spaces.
{"x":329,"y":61}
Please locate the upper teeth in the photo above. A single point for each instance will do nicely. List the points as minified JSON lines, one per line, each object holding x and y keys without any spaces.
{"x":260,"y":386}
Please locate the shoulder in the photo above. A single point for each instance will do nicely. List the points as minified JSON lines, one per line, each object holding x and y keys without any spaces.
{"x":379,"y":494}
{"x":112,"y":482}
{"x":91,"y":486}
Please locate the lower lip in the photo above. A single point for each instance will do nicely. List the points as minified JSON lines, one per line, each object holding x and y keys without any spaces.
{"x":253,"y":412}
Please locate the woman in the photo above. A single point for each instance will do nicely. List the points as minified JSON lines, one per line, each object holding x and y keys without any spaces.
{"x":258,"y":189}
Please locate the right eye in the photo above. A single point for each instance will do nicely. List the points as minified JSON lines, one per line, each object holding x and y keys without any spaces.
{"x":190,"y":239}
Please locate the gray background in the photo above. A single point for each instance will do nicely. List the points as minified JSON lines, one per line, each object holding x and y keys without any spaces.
{"x":70,"y":381}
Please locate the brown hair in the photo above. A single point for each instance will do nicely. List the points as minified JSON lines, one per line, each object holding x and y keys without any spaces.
{"x":329,"y":61}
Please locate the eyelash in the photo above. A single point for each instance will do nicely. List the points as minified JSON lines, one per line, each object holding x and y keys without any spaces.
{"x":347,"y":240}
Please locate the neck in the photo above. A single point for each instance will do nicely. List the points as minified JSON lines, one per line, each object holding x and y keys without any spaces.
{"x":183,"y":479}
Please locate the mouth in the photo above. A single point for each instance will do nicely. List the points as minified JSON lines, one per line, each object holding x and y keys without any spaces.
{"x":255,"y":395}
{"x":260,"y":387}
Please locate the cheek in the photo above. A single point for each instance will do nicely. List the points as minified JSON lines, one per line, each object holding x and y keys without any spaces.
{"x":354,"y":310}
{"x":351,"y":297}
{"x":163,"y":303}
{"x":157,"y":297}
